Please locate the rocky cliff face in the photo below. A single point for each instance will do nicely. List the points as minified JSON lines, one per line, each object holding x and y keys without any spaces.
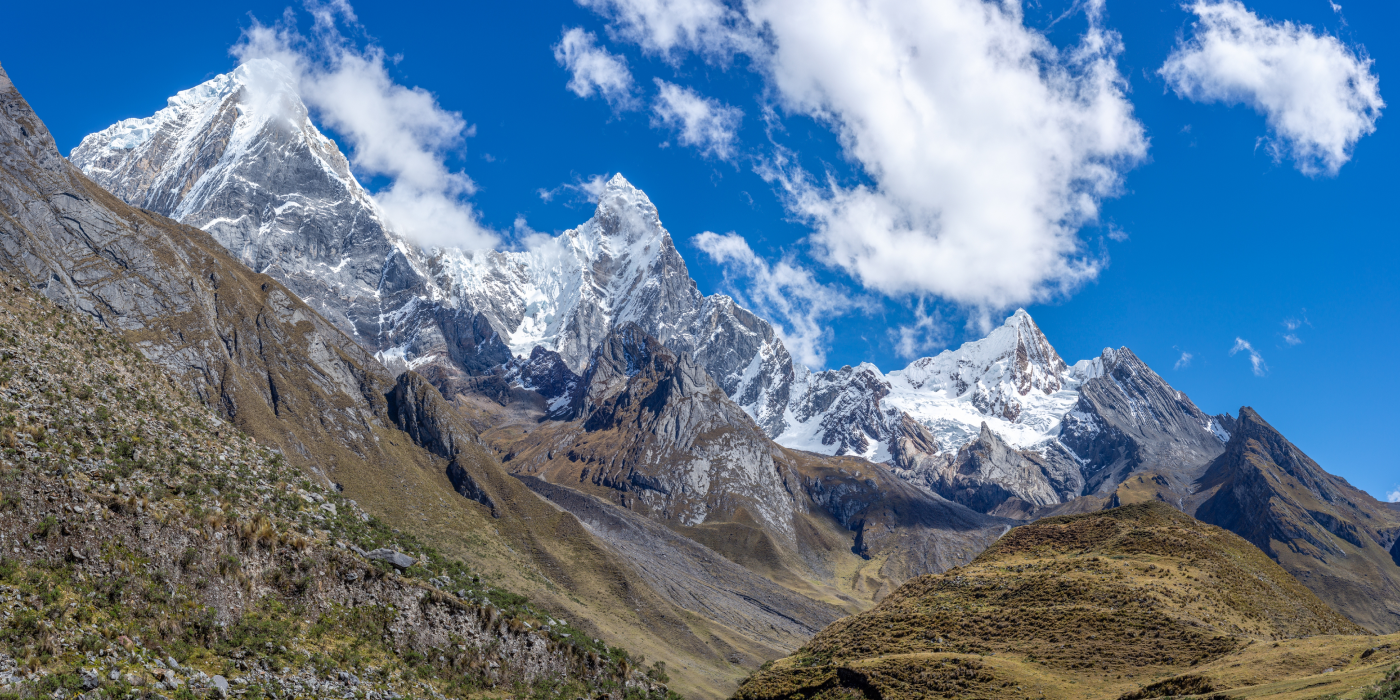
{"x":1128,"y":418}
{"x":1335,"y":538}
{"x":241,"y":340}
{"x":988,"y":475}
{"x":238,"y":157}
{"x":655,"y":428}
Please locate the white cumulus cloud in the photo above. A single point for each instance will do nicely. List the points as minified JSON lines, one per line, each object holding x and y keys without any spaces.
{"x":986,"y":147}
{"x":704,"y":123}
{"x":785,"y":293}
{"x":669,"y":27}
{"x":594,"y":70}
{"x":1256,"y":360}
{"x":1318,"y":96}
{"x":392,"y":130}
{"x":1393,"y":496}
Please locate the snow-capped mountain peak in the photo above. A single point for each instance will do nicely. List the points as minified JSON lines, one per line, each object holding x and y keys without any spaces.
{"x":1012,"y":379}
{"x":184,"y":155}
{"x":240,"y":157}
{"x":281,"y":197}
{"x":566,"y":292}
{"x":999,"y":370}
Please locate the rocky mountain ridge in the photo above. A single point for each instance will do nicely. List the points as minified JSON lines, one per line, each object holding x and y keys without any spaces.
{"x":239,"y":157}
{"x":1338,"y":540}
{"x":650,"y":431}
{"x":449,"y":313}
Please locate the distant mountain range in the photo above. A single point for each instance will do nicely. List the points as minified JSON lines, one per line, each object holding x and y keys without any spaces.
{"x":239,"y":157}
{"x":651,"y":457}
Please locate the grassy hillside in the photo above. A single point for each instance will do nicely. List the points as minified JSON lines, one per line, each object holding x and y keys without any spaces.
{"x":147,"y":545}
{"x":1136,"y":602}
{"x":273,"y":367}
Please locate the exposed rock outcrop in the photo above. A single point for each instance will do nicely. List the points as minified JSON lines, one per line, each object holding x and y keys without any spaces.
{"x":417,"y":408}
{"x":986,"y":473}
{"x":546,"y":373}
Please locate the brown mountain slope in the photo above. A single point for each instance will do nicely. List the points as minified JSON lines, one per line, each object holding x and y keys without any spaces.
{"x":281,"y":373}
{"x":240,"y":340}
{"x":653,"y":434}
{"x":1334,"y":537}
{"x":143,"y":516}
{"x":1090,"y":605}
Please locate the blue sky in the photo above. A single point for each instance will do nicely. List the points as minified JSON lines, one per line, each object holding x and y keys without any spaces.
{"x":1208,"y":231}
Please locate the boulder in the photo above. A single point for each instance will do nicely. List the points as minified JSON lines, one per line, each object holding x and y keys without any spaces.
{"x":398,"y":559}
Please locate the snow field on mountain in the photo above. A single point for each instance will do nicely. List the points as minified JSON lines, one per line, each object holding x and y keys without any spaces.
{"x":562,"y":292}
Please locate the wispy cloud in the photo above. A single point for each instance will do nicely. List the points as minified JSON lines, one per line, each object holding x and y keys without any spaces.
{"x":589,"y":188}
{"x":1184,"y":361}
{"x":392,"y":130}
{"x":594,"y":70}
{"x":787,"y":294}
{"x":1255,"y":359}
{"x":1291,"y":325}
{"x":704,"y":123}
{"x":1394,"y":496}
{"x":524,"y":234}
{"x":928,"y":332}
{"x":1318,"y":96}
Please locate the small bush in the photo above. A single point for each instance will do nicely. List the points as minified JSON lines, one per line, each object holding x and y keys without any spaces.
{"x":46,"y":526}
{"x":1387,"y":689}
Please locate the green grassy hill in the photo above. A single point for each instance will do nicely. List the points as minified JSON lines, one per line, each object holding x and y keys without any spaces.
{"x":1135,"y":602}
